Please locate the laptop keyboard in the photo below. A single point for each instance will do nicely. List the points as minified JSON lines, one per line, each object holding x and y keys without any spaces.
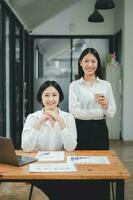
{"x":22,"y":158}
{"x":19,"y":157}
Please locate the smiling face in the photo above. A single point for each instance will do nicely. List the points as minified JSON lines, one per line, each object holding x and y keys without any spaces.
{"x":89,"y":64}
{"x":50,"y":98}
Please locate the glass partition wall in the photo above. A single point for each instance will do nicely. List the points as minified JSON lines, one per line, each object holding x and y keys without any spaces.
{"x":11,"y":75}
{"x":7,"y":81}
{"x":17,"y":86}
{"x":2,"y":77}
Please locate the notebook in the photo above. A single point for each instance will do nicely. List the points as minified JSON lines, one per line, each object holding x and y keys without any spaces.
{"x":8,"y":155}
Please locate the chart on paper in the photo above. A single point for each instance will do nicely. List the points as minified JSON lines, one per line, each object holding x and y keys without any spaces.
{"x":88,"y":159}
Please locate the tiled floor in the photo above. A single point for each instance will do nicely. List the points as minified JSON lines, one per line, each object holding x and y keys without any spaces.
{"x":124,"y":151}
{"x":20,"y":191}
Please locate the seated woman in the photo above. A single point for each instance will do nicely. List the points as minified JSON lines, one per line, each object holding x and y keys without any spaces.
{"x":50,"y":129}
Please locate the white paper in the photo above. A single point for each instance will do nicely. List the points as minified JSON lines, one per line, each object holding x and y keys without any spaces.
{"x":88,"y":159}
{"x":60,"y":167}
{"x":50,"y":155}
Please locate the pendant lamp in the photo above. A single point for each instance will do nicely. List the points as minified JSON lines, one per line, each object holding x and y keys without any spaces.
{"x":104,"y":4}
{"x":95,"y":17}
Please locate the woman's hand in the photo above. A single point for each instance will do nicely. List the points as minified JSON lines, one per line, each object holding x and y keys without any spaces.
{"x":56,"y":117}
{"x":102,"y":100}
{"x":41,"y":121}
{"x":43,"y":118}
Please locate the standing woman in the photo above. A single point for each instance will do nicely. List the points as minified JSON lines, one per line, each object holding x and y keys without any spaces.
{"x":91,"y":100}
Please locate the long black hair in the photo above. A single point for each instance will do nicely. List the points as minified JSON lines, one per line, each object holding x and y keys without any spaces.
{"x":47,"y":84}
{"x":99,"y":66}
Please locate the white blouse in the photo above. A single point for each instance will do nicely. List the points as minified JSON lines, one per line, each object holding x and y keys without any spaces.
{"x":48,"y":137}
{"x":82,"y":103}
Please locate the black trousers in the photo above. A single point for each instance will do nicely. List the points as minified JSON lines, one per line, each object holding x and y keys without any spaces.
{"x":92,"y":135}
{"x":73,"y":189}
{"x":65,"y":190}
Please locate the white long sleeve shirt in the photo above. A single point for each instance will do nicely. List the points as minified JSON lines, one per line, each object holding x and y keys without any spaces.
{"x":82,"y":103}
{"x":48,"y":137}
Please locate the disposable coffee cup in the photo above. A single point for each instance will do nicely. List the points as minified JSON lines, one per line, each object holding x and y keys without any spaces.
{"x":98,"y":96}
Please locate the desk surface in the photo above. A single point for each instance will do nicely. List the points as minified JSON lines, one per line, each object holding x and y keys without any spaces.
{"x":114,"y":170}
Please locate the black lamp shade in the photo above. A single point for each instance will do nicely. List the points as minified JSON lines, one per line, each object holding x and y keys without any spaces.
{"x":95,"y":17}
{"x":104,"y":4}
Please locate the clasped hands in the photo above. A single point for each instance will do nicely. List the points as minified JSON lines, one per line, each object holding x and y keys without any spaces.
{"x":52,"y":116}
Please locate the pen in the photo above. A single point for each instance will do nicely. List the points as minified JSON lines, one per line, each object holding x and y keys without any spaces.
{"x":45,"y":154}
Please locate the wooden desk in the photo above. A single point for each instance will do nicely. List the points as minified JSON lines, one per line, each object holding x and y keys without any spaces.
{"x":114,"y":172}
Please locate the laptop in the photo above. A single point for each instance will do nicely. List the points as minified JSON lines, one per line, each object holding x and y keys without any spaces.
{"x":8,"y":155}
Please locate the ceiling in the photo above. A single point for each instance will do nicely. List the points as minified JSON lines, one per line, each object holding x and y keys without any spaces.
{"x":33,"y":13}
{"x":36,"y":12}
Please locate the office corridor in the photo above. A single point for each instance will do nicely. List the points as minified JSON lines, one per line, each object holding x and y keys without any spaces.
{"x":20,"y":191}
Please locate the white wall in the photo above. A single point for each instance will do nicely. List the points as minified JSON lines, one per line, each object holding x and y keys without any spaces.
{"x":128,"y":71}
{"x":123,"y":20}
{"x":118,"y":15}
{"x":74,"y":21}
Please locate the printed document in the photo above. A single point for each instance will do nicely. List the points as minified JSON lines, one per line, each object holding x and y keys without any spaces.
{"x":88,"y":159}
{"x":60,"y":167}
{"x":50,"y":155}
